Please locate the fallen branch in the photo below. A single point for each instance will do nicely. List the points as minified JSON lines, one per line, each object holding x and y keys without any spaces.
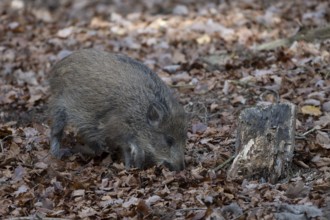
{"x":309,"y":36}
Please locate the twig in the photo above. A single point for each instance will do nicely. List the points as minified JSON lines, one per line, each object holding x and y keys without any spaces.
{"x":303,"y":136}
{"x":309,"y":131}
{"x":224,"y":163}
{"x":300,"y":137}
{"x":240,"y":83}
{"x":190,"y":209}
{"x":318,"y":33}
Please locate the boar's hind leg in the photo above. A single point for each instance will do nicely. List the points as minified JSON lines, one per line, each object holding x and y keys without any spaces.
{"x":57,"y":128}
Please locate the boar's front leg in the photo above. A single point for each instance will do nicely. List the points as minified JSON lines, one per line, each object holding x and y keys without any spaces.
{"x":57,"y":129}
{"x":134,"y":156}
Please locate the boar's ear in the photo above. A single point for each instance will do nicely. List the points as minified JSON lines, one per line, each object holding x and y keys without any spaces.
{"x":155,"y":114}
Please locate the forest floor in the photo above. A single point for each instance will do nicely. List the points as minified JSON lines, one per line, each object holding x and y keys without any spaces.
{"x":206,"y":51}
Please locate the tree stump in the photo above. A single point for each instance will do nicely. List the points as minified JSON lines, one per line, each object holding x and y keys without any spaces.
{"x":264,"y":142}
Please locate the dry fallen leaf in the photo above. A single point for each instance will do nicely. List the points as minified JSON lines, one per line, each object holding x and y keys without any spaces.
{"x":66,"y":32}
{"x":21,"y":189}
{"x":86,"y":212}
{"x":130,"y":202}
{"x":143,"y":208}
{"x":199,"y":128}
{"x":153,"y":199}
{"x":205,"y":39}
{"x":323,"y":139}
{"x":41,"y":165}
{"x":297,"y":190}
{"x":311,"y":110}
{"x":79,"y":192}
{"x":98,"y":23}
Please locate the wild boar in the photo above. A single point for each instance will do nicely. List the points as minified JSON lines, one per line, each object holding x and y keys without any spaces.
{"x":117,"y":103}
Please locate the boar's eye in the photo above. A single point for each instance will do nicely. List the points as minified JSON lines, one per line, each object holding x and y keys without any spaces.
{"x":169,"y":141}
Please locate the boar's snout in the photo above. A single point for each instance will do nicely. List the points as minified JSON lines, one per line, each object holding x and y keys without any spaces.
{"x":174,"y":166}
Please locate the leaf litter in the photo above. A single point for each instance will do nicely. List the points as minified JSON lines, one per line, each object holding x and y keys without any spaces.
{"x":205,"y":52}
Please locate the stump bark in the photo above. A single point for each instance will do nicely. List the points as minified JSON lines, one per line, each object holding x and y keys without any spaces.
{"x":264,"y":142}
